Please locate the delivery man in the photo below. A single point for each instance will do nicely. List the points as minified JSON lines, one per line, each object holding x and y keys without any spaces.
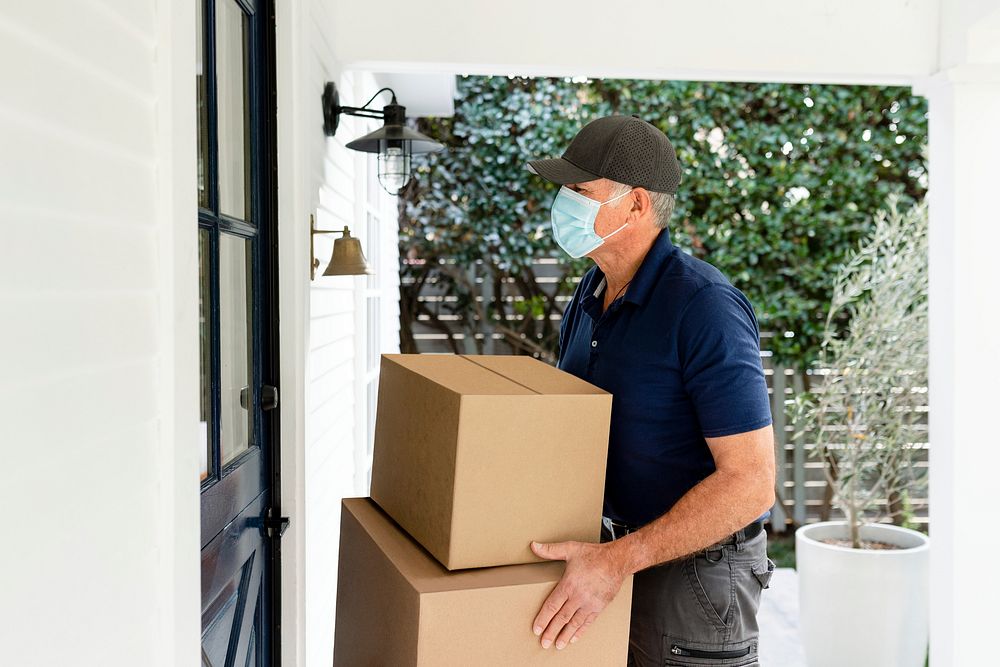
{"x":690,"y":475}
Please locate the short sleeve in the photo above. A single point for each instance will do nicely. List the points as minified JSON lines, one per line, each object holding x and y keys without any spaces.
{"x":719,"y":351}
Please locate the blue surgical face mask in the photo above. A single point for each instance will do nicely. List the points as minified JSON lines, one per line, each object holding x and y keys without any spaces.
{"x":573,"y":218}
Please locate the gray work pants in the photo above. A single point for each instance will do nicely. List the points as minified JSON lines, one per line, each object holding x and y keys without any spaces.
{"x":700,"y":609}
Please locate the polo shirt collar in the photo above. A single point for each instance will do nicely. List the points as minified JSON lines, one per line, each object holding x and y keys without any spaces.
{"x":592,"y":298}
{"x":649,"y":271}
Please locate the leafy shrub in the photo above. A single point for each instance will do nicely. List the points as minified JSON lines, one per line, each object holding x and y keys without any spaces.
{"x":780,"y":182}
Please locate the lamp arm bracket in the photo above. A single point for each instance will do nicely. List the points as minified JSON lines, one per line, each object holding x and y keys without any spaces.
{"x":360,"y":111}
{"x":332,"y":108}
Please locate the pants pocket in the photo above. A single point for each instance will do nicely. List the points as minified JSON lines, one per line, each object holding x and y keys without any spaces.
{"x":710,"y":578}
{"x":682,"y":652}
{"x":763,"y":570}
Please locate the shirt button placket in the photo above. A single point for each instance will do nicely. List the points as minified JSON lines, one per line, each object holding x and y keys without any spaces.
{"x":593,"y":350}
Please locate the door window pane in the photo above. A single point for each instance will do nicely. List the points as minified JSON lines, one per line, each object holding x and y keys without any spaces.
{"x":235,"y":345}
{"x":202,"y":107}
{"x":205,"y":343}
{"x":232,"y":101}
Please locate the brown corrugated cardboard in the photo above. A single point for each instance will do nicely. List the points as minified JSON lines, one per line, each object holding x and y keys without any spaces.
{"x":397,"y":606}
{"x":476,"y":456}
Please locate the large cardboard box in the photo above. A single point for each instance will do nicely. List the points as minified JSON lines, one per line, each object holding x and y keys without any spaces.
{"x":397,"y":606}
{"x":476,"y":456}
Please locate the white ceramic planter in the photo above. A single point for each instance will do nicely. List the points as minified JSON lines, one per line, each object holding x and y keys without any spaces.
{"x":862,"y":607}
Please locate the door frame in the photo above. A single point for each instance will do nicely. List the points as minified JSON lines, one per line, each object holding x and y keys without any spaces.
{"x":263,"y":146}
{"x":294,"y":160}
{"x":178,"y":497}
{"x":271,"y":367}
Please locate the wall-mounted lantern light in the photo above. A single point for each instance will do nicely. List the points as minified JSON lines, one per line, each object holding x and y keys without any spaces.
{"x":394,"y":142}
{"x":347,"y":258}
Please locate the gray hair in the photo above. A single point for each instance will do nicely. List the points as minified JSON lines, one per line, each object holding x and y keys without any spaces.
{"x":663,"y":202}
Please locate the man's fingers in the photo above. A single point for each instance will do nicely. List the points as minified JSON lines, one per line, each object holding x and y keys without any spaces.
{"x":551,"y":551}
{"x":558,"y":622}
{"x":549,"y":609}
{"x":583,"y":628}
{"x":568,"y":632}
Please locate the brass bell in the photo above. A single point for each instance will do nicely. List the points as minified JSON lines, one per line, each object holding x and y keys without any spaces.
{"x":347,"y":259}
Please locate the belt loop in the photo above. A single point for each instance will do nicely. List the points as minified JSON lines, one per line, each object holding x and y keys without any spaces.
{"x":739,"y":538}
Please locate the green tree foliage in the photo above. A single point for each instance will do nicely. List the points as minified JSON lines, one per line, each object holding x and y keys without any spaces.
{"x":780,"y":181}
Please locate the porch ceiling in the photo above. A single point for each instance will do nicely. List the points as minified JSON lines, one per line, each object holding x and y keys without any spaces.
{"x":781,"y":40}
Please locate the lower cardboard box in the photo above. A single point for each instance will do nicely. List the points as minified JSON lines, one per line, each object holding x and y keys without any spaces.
{"x":397,"y":606}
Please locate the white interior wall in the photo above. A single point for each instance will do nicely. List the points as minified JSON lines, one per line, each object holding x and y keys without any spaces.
{"x":99,"y":343}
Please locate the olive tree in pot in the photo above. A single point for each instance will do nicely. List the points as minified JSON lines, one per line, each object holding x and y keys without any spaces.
{"x":862,"y":581}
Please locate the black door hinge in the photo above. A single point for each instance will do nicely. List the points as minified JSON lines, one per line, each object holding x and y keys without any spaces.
{"x":268,"y":397}
{"x":269,"y":524}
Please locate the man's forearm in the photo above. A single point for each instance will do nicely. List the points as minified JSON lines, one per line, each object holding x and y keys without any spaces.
{"x":719,"y":505}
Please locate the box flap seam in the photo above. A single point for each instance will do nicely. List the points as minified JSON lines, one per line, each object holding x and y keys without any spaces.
{"x":496,"y":372}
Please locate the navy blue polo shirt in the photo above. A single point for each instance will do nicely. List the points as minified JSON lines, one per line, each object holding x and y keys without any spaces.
{"x":680,"y":354}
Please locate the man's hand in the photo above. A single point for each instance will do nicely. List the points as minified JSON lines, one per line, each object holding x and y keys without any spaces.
{"x":591,"y":581}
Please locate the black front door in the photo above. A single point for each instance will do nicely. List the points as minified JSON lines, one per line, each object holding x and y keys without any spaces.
{"x":240,"y":515}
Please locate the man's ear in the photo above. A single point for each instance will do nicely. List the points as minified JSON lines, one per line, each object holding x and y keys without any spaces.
{"x":640,"y":202}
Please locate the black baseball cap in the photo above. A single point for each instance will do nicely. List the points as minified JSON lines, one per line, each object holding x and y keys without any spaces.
{"x":624,"y":149}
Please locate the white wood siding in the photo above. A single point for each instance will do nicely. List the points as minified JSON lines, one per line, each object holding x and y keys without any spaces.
{"x":92,"y":361}
{"x":337,"y":415}
{"x":335,"y":185}
{"x":323,"y":335}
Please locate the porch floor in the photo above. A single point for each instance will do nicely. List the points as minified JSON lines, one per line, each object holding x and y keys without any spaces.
{"x":778,"y":618}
